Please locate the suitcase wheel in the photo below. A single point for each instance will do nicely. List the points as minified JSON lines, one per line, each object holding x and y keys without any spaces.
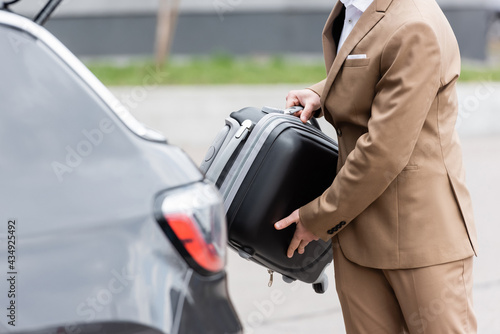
{"x":287,"y":279}
{"x":319,"y":288}
{"x":321,"y":285}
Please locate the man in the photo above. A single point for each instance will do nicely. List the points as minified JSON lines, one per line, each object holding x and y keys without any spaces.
{"x":398,"y":210}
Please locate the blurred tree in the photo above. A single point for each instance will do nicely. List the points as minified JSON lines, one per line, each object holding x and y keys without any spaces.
{"x":494,"y":40}
{"x":168,"y":12}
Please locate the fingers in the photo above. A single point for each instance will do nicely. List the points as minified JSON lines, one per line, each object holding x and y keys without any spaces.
{"x":284,"y":223}
{"x":294,"y":244}
{"x":287,"y":221}
{"x":301,"y":238}
{"x":306,"y":98}
{"x":292,"y":100}
{"x":297,"y":244}
{"x":302,"y":246}
{"x":307,"y":113}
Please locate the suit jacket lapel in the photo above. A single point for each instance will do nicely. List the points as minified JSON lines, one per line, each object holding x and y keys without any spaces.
{"x":329,"y":45}
{"x":373,"y":14}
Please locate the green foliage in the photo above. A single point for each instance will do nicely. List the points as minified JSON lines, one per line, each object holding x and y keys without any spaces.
{"x":218,"y":69}
{"x":480,"y":73}
{"x":223,"y":68}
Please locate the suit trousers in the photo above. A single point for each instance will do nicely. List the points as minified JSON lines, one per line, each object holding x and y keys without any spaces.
{"x":429,"y":300}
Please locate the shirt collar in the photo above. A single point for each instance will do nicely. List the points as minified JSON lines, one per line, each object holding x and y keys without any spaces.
{"x":362,"y":5}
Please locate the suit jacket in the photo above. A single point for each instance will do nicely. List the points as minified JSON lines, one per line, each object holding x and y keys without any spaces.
{"x":399,"y":199}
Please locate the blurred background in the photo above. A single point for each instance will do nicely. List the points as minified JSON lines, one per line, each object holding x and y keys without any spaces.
{"x":181,"y":66}
{"x":237,"y":27}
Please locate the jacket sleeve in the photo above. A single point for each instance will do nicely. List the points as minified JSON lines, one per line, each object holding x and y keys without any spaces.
{"x":409,"y":82}
{"x":318,"y":89}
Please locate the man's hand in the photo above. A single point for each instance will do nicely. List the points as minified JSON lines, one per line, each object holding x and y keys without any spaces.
{"x":305,"y":98}
{"x":302,"y":236}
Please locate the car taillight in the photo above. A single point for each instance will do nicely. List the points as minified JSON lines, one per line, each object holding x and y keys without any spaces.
{"x":194,"y":220}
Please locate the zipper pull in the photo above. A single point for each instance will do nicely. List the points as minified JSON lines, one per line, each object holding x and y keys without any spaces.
{"x":270,"y":284}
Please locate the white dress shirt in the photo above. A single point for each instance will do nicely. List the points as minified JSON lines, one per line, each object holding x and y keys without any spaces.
{"x":353,"y":11}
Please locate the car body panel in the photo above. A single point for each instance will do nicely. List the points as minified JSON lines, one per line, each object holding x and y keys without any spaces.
{"x":80,"y":176}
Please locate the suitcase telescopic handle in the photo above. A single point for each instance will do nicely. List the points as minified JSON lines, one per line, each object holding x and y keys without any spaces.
{"x":220,"y":161}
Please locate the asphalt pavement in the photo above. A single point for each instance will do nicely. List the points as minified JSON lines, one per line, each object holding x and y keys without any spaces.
{"x":191,"y":116}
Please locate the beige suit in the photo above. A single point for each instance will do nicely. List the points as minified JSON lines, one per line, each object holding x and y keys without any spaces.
{"x":399,"y":199}
{"x":399,"y":212}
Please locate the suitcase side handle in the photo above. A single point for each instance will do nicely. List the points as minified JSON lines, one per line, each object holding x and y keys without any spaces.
{"x":291,"y":111}
{"x":220,"y":162}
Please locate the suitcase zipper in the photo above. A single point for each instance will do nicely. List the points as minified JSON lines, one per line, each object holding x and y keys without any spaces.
{"x":271,"y":272}
{"x":260,"y":128}
{"x":265,"y":125}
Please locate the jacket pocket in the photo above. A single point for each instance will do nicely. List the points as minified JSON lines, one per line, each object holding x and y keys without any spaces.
{"x":410,"y":167}
{"x":357,"y":62}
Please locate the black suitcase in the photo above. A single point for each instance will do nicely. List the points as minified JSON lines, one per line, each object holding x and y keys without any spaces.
{"x":267,"y":163}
